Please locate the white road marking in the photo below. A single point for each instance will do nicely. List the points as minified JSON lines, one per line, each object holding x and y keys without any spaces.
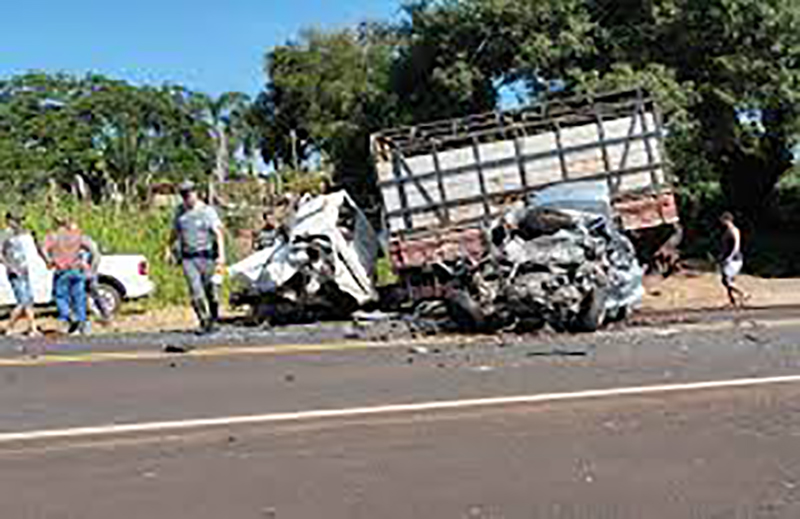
{"x":356,"y":412}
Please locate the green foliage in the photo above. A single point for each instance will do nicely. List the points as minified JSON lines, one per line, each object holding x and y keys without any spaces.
{"x":791,"y":180}
{"x":114,"y":135}
{"x":327,"y":93}
{"x":384,"y":273}
{"x":732,"y":56}
{"x":705,"y":62}
{"x":303,"y":181}
{"x":227,"y":118}
{"x":459,"y":52}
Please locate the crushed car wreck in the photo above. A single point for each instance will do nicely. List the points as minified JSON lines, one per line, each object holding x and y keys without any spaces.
{"x":551,"y":263}
{"x":319,"y":264}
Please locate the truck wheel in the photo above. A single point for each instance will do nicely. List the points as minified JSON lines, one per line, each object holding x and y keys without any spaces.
{"x":617,"y":315}
{"x":593,"y":312}
{"x":111,"y":297}
{"x":465,"y":311}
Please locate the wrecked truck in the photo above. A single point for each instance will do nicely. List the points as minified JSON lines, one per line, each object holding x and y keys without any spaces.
{"x":445,"y":186}
{"x":319,"y":264}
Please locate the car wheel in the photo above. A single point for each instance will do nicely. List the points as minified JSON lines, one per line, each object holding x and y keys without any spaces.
{"x":593,"y":312}
{"x":111,"y":297}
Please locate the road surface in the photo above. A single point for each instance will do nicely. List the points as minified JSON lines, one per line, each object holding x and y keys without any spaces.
{"x":661,"y":422}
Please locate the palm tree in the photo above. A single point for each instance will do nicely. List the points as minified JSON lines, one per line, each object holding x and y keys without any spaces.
{"x":225,"y":116}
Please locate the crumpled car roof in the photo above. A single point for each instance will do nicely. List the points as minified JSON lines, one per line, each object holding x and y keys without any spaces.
{"x":318,"y":216}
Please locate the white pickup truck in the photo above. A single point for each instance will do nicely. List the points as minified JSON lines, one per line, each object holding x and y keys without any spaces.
{"x":122,"y":278}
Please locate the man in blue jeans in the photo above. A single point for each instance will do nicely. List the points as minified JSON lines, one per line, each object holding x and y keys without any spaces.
{"x":65,"y":251}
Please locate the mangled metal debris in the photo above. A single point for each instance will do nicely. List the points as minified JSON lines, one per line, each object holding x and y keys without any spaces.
{"x":558,"y":260}
{"x":546,"y":263}
{"x":320,"y":264}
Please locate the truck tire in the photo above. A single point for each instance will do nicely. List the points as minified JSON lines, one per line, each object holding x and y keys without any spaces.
{"x":593,"y":312}
{"x":617,"y":315}
{"x":465,"y":312}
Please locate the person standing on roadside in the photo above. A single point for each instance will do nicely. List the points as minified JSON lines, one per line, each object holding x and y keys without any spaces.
{"x":199,"y":235}
{"x":731,"y":259}
{"x":14,"y":257}
{"x":65,"y":251}
{"x":91,"y":260}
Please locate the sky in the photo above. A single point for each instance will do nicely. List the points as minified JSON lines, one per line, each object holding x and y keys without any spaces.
{"x":209,"y":46}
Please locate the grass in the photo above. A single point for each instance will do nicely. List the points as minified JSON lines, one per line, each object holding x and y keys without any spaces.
{"x":384,"y":274}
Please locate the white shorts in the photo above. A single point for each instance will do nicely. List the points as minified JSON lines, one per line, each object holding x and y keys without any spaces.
{"x":731,"y":269}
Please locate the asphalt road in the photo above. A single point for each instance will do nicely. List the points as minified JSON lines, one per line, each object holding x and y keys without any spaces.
{"x":720,"y":453}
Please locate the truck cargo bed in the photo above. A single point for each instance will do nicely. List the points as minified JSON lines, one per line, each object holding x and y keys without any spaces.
{"x":441,"y":181}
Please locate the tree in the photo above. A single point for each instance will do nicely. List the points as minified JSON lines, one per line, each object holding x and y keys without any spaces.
{"x":708,"y":62}
{"x":732,"y":57}
{"x":226,"y":119}
{"x":103,"y":131}
{"x":326,"y":93}
{"x":457,"y":54}
{"x":43,"y":137}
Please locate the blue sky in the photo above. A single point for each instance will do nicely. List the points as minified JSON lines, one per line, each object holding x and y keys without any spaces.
{"x":208,"y":46}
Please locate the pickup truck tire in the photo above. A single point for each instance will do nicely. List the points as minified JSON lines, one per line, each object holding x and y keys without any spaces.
{"x":112,"y":296}
{"x":593,"y":312}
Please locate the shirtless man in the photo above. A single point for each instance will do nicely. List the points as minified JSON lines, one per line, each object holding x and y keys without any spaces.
{"x":731,"y":260}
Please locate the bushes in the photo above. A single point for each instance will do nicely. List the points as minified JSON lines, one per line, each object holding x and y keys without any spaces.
{"x":700,"y":207}
{"x":770,"y":243}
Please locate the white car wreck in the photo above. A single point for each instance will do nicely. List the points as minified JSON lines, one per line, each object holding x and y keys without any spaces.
{"x":320,"y":263}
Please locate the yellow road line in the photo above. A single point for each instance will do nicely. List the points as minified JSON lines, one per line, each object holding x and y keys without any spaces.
{"x":50,"y":359}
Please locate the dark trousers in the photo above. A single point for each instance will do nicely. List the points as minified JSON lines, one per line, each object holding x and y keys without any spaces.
{"x":203,"y":292}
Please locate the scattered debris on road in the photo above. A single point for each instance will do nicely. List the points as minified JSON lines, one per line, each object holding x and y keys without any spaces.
{"x":557,"y":352}
{"x":419,"y":350}
{"x":176,"y":349}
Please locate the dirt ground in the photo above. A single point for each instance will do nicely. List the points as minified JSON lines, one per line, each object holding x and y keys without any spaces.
{"x":132,"y":319}
{"x":167,"y":319}
{"x":703,"y":290}
{"x":686,"y":291}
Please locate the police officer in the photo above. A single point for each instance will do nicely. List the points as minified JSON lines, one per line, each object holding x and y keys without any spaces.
{"x":199,"y":237}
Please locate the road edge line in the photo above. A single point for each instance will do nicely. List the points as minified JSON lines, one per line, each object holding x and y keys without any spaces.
{"x":356,"y":412}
